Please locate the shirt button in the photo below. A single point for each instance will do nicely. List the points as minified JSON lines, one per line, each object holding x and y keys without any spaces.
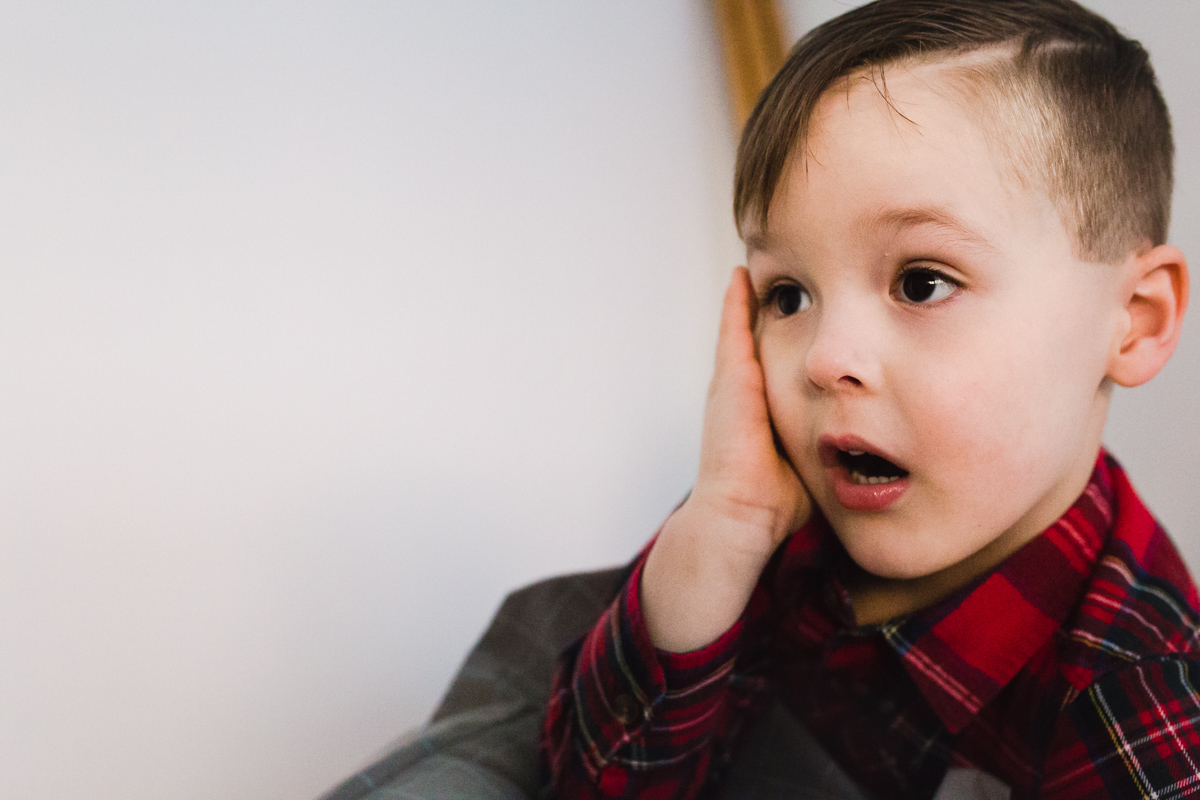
{"x":627,"y":710}
{"x":836,"y":605}
{"x":832,"y":598}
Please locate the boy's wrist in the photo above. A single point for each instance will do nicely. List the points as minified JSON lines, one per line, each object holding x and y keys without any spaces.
{"x":700,"y":574}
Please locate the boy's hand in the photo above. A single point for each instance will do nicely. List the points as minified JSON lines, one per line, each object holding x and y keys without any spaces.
{"x":708,"y":557}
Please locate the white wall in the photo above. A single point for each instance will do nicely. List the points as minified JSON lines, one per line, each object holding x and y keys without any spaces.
{"x":324,"y":325}
{"x":321,"y":327}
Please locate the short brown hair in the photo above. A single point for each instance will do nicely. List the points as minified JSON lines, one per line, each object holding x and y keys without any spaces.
{"x":1100,"y":136}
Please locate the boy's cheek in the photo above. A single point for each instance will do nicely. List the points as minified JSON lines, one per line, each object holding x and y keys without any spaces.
{"x":783,"y":376}
{"x":977,"y":442}
{"x":792,"y":412}
{"x":790,"y":415}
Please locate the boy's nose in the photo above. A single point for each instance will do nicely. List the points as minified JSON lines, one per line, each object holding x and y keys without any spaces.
{"x":843,"y":354}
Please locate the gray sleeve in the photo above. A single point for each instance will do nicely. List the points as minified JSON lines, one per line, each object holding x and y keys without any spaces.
{"x":482,"y":741}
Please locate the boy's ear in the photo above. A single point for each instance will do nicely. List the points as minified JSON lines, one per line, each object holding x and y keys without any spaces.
{"x":1155,"y":293}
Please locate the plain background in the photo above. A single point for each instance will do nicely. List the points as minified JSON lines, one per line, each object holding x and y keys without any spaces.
{"x":324,"y":325}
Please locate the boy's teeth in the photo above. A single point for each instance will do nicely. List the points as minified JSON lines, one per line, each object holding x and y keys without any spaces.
{"x":856,"y":453}
{"x":864,"y":480}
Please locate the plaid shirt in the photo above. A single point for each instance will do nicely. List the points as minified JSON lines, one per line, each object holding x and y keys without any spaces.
{"x":1070,"y":670}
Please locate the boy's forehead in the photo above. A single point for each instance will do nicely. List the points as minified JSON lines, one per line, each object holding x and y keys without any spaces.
{"x":898,"y":150}
{"x":952,"y":102}
{"x":912,"y":98}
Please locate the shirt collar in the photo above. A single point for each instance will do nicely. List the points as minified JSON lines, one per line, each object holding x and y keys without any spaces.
{"x":964,"y":649}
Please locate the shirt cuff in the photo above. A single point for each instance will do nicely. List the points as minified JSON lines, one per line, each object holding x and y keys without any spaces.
{"x":626,"y":690}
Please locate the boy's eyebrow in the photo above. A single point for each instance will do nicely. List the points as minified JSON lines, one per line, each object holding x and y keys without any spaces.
{"x":895,"y":219}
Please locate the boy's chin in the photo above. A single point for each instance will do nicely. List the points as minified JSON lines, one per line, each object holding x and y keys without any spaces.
{"x":892,"y":558}
{"x":887,"y":570}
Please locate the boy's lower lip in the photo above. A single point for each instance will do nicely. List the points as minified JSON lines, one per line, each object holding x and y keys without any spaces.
{"x":868,"y":497}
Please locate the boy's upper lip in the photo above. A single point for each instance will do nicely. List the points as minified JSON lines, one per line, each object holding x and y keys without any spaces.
{"x":828,"y":446}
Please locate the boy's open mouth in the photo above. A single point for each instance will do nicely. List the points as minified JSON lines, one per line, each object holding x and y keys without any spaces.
{"x":869,"y":469}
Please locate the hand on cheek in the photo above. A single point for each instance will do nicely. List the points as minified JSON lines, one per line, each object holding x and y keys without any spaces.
{"x":747,"y":499}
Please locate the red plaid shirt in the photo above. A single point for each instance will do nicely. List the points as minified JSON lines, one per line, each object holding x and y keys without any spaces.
{"x":1071,"y":670}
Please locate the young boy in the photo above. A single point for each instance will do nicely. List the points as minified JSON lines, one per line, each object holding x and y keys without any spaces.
{"x":954,"y":214}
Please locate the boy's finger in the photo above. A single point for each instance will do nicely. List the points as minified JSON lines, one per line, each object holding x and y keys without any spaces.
{"x":735,"y":342}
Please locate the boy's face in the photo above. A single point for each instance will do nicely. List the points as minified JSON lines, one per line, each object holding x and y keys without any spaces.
{"x":919,"y":304}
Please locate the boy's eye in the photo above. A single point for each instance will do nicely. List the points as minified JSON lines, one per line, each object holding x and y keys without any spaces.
{"x":788,"y":298}
{"x":925,"y":286}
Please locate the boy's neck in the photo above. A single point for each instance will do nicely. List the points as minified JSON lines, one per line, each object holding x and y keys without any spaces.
{"x":876,"y":600}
